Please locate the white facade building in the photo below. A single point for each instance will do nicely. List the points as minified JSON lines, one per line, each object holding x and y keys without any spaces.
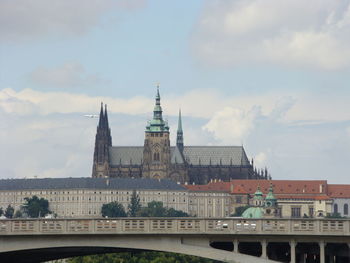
{"x":84,"y":197}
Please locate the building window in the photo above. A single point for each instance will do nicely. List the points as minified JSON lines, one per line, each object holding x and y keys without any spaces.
{"x":296,"y":211}
{"x":346,"y":209}
{"x":335,"y":208}
{"x":311,"y":211}
{"x":238,"y":199}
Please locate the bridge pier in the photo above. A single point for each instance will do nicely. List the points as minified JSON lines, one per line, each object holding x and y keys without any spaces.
{"x":292,"y":244}
{"x":322,"y":251}
{"x":264,"y":249}
{"x":235,"y":246}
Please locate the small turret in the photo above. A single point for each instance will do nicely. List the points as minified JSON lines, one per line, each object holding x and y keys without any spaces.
{"x":258,"y":197}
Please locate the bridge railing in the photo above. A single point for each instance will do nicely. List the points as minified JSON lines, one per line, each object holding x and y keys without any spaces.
{"x":176,"y":226}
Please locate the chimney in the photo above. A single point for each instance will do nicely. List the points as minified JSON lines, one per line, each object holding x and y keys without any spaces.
{"x":231,"y":188}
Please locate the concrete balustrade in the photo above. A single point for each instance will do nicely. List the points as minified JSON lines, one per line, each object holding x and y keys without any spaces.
{"x":297,"y":238}
{"x":176,"y":225}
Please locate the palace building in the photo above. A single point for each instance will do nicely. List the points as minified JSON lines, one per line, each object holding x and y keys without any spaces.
{"x":157,"y":159}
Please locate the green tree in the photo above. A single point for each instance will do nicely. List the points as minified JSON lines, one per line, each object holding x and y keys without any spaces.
{"x":171,"y":212}
{"x":113,"y":209}
{"x":239,"y":210}
{"x":141,"y":257}
{"x":18,"y":214}
{"x":35,"y":207}
{"x":1,"y":211}
{"x":153,"y":209}
{"x":134,"y":207}
{"x":9,"y":211}
{"x":156,"y":209}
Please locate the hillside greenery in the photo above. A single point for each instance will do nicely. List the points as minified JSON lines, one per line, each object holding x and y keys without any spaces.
{"x":140,"y":257}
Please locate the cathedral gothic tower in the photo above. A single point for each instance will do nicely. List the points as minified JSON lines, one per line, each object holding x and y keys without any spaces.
{"x":156,"y":151}
{"x":103,"y":141}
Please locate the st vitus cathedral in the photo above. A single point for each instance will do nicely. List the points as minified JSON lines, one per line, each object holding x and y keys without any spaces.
{"x":157,"y":159}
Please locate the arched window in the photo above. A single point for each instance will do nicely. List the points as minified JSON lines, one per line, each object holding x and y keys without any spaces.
{"x":156,"y":156}
{"x":335,"y":208}
{"x":346,"y":209}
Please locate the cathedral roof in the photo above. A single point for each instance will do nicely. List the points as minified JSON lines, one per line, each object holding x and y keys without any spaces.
{"x":216,"y":155}
{"x":89,"y":183}
{"x":126,"y":155}
{"x":176,"y":156}
{"x":195,"y":155}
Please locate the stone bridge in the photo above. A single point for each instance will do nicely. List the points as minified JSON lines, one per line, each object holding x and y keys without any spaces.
{"x":224,"y":239}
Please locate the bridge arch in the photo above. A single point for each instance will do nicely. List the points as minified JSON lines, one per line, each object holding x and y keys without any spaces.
{"x":50,"y":247}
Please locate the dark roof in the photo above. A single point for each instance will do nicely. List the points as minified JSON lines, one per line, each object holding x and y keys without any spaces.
{"x":89,"y":183}
{"x":195,"y":155}
{"x":225,"y":155}
{"x":126,"y":155}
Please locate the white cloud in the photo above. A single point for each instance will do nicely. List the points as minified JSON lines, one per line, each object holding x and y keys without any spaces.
{"x":260,"y":159}
{"x":70,"y":74}
{"x":232,"y":125}
{"x":27,"y":19}
{"x":269,"y":31}
{"x":284,"y":107}
{"x":64,"y":102}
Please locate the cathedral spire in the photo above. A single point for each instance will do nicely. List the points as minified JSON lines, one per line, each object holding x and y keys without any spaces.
{"x":106,"y":117}
{"x":157,"y":112}
{"x":157,"y":124}
{"x":101,"y":116}
{"x":179,"y":137}
{"x":107,"y":129}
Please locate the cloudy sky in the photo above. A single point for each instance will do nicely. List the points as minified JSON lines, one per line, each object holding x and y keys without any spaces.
{"x":271,"y":75}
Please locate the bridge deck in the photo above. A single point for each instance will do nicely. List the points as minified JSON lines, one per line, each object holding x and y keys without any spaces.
{"x":219,"y":226}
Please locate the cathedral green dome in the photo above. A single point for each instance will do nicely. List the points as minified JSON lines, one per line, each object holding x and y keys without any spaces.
{"x":157,"y":124}
{"x":253,"y":212}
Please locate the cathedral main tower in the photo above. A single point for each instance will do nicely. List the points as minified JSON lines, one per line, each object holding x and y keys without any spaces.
{"x":103,"y":141}
{"x":156,"y":151}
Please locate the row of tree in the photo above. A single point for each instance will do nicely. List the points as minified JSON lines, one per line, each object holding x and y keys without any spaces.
{"x":39,"y":207}
{"x":153,"y":209}
{"x":33,"y":207}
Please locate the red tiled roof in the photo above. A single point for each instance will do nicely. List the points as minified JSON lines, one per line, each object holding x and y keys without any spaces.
{"x":304,"y":197}
{"x":339,"y":190}
{"x":295,"y":187}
